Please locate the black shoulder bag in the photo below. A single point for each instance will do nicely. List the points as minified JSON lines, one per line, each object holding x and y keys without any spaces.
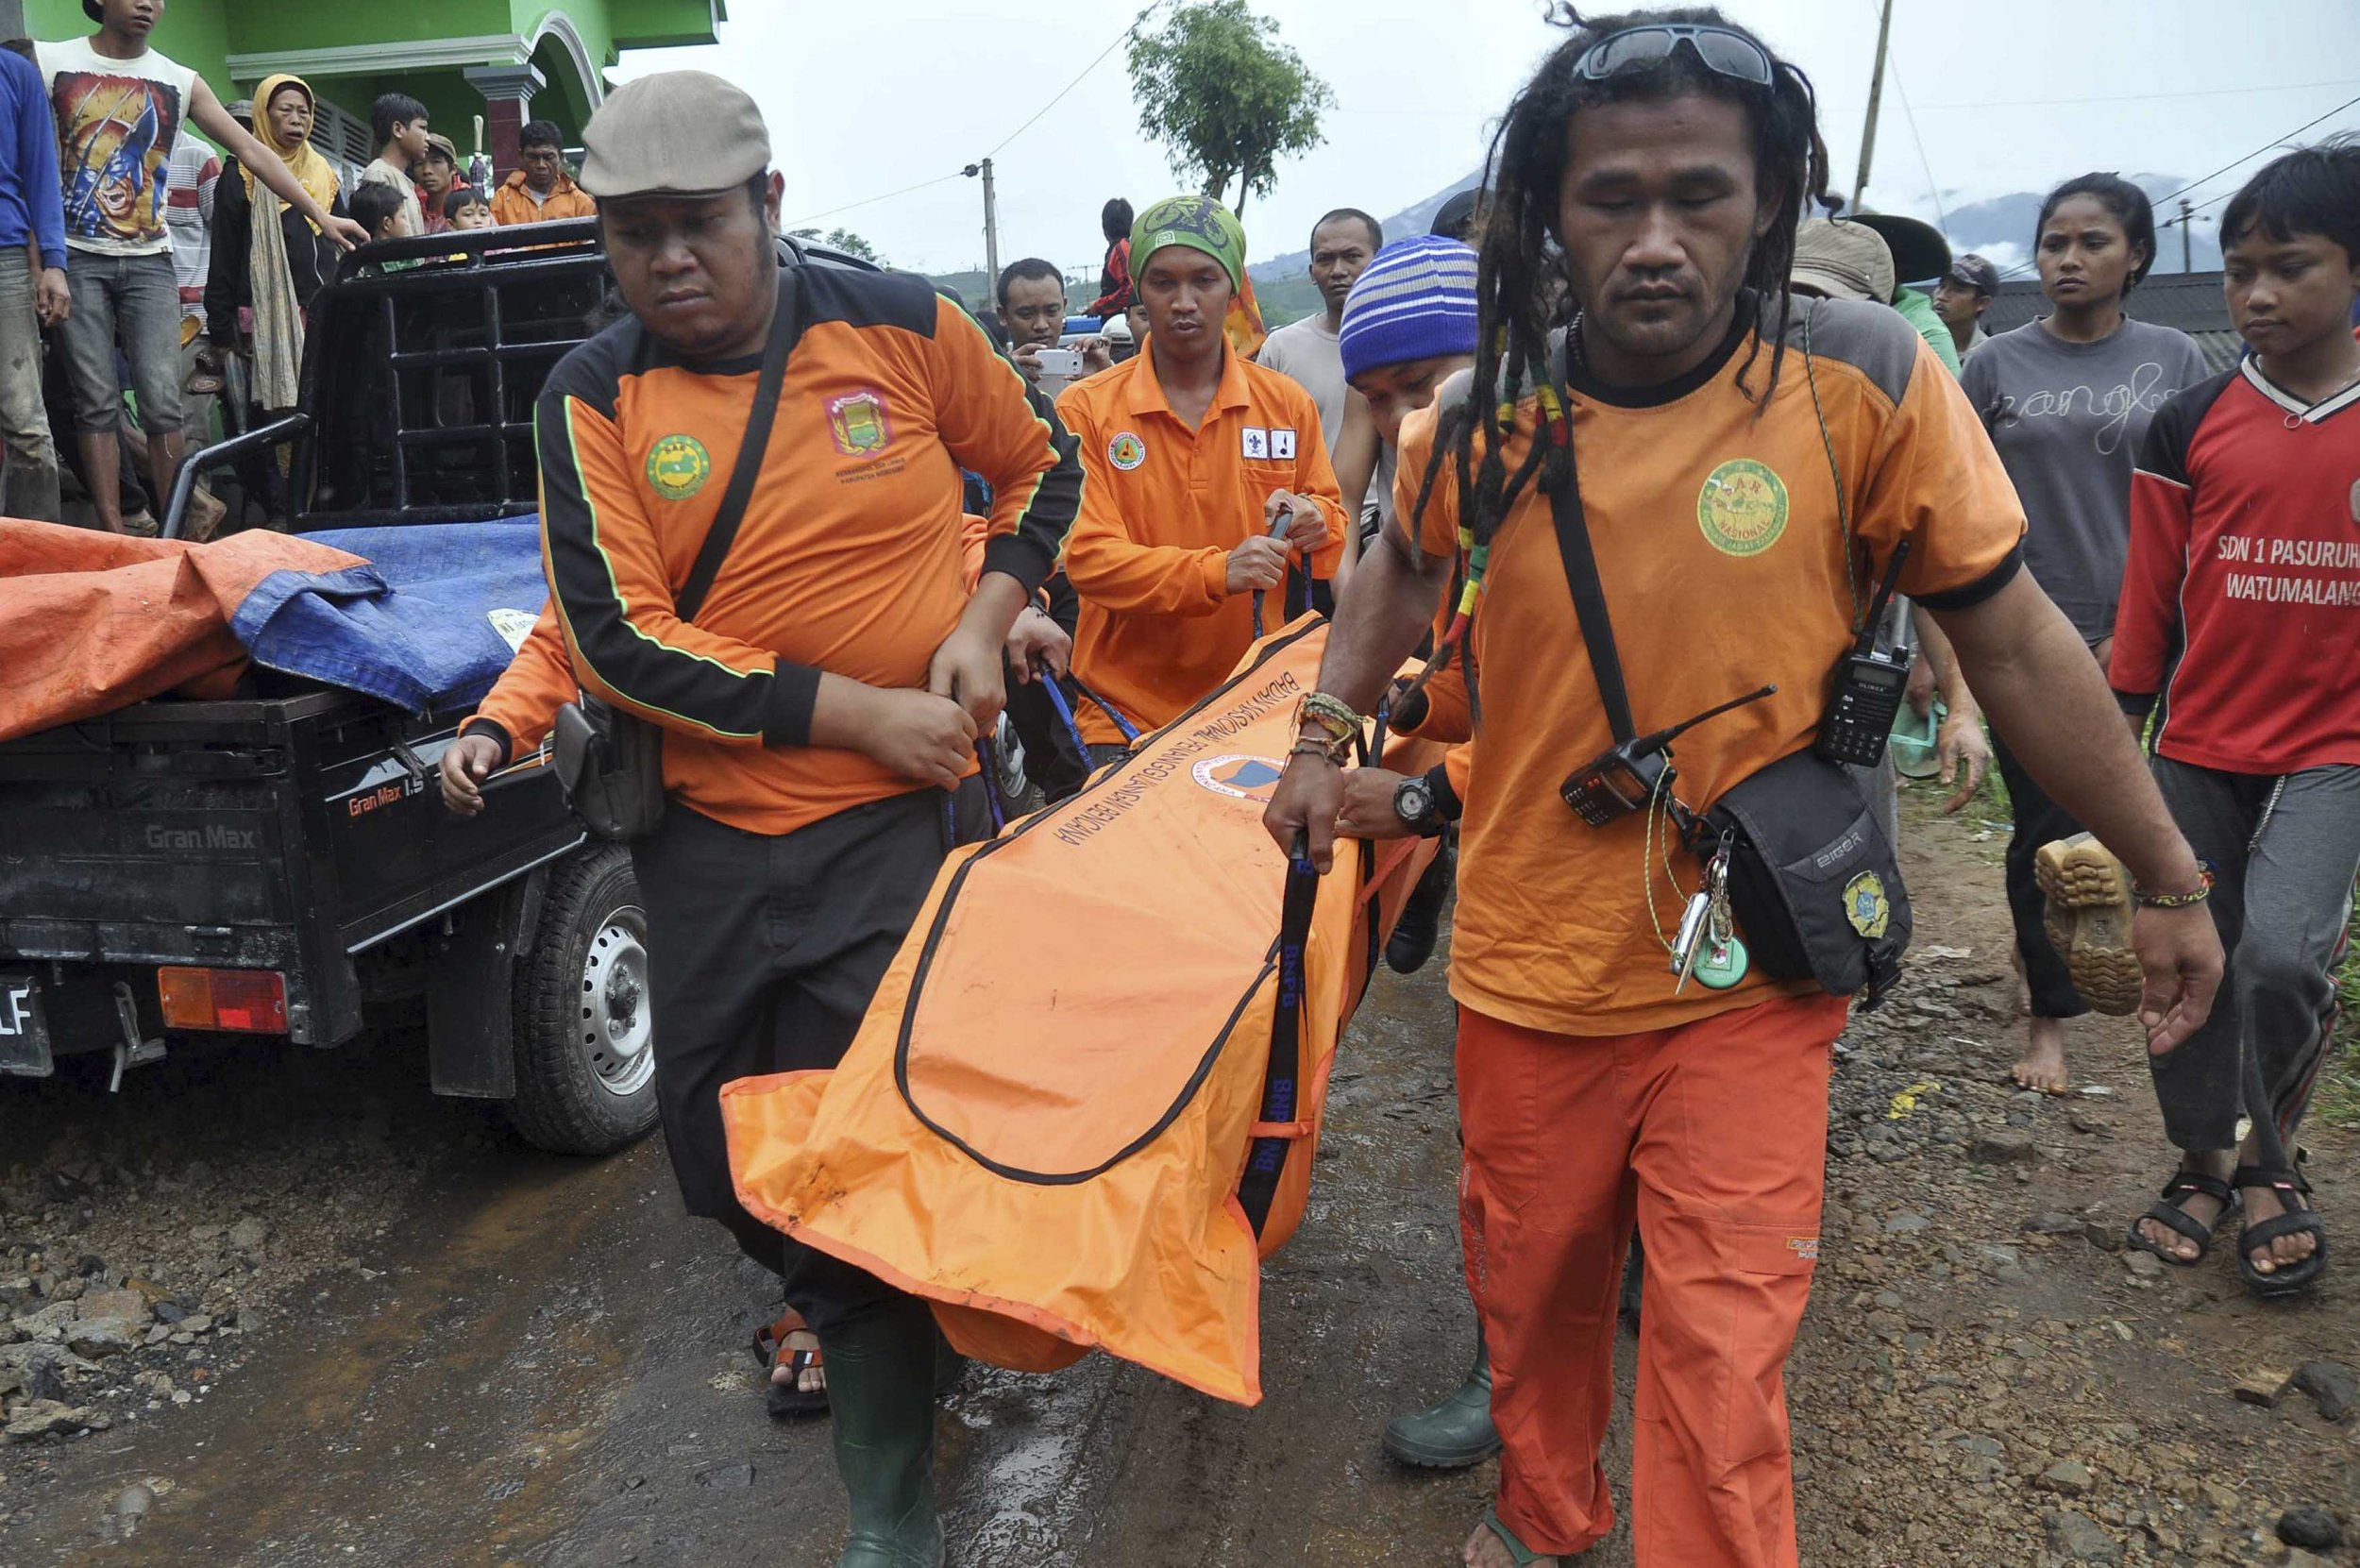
{"x":1813,"y":882}
{"x":611,"y":763}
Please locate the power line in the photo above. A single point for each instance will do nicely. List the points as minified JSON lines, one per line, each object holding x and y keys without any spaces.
{"x":871,"y":201}
{"x":2026,"y":267}
{"x":2149,"y":97}
{"x":1136,"y":22}
{"x":2266,"y":146}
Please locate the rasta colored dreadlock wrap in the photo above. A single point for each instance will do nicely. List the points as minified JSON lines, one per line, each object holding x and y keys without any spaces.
{"x":1522,"y":280}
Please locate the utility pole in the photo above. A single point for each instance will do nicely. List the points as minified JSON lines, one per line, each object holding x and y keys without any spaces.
{"x":991,"y":221}
{"x":2187,"y":220}
{"x":1876,"y":96}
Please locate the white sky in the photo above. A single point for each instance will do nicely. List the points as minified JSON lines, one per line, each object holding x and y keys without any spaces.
{"x":868,"y":97}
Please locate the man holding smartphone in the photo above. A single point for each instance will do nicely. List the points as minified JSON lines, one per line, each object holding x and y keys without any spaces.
{"x":1031,"y":295}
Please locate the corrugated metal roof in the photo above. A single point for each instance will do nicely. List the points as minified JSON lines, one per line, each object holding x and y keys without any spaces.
{"x":2191,"y":301}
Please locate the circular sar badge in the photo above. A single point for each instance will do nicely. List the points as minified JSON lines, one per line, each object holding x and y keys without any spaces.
{"x":1741,"y":507}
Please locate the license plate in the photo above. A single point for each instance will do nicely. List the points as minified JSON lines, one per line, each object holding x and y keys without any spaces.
{"x":23,"y":1031}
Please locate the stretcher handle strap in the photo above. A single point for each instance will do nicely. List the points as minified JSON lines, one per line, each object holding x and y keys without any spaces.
{"x":988,"y":760}
{"x":1277,"y":530}
{"x":1266,"y":1157}
{"x":1064,"y":708}
{"x":1130,"y":731}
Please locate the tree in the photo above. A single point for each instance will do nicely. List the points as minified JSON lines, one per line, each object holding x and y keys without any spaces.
{"x":843,"y":240}
{"x":1225,"y":98}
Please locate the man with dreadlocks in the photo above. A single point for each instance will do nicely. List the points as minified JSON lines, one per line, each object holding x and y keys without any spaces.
{"x":1740,"y":465}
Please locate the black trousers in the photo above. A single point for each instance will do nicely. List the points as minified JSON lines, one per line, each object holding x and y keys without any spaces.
{"x":2038,"y":820}
{"x":763,"y":952}
{"x":2283,"y":852}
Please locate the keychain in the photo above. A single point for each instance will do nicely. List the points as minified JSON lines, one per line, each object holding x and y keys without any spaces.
{"x":1722,"y":961}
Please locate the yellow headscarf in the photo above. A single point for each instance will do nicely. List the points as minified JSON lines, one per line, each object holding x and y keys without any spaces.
{"x":316,"y":173}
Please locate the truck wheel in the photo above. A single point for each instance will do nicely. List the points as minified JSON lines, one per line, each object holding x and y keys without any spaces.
{"x":584,"y":1031}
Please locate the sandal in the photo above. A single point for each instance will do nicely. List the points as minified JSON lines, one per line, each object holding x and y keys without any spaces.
{"x":790,"y":1398}
{"x":2165,"y":1210}
{"x":1518,"y":1552}
{"x":2290,"y":1278}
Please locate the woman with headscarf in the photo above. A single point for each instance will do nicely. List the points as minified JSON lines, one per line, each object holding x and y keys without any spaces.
{"x":269,"y":260}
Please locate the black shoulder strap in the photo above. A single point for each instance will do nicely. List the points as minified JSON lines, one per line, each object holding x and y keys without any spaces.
{"x":786,"y":326}
{"x":1581,"y":576}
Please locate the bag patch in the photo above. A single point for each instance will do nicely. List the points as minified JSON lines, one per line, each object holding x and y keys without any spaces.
{"x":1866,"y":906}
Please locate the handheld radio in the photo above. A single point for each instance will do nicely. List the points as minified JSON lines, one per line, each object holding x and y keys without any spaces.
{"x":1623,"y":777}
{"x":1869,"y":685}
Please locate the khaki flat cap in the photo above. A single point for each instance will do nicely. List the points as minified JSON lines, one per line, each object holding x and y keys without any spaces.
{"x":675,"y":133}
{"x":1842,"y":261}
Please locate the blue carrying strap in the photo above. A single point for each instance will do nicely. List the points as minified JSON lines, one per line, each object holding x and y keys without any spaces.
{"x":1266,"y":1157}
{"x":1130,"y":731}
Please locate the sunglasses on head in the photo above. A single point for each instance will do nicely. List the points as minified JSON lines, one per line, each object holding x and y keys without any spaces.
{"x":1720,"y":50}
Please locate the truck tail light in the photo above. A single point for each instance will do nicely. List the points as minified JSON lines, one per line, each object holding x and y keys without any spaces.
{"x":251,"y":1002}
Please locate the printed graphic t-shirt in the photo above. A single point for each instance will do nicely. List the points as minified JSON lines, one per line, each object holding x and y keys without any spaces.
{"x":117,"y":120}
{"x":2068,"y":419}
{"x":1723,"y":559}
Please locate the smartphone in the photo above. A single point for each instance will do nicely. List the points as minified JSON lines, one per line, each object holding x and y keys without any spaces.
{"x":1064,"y":363}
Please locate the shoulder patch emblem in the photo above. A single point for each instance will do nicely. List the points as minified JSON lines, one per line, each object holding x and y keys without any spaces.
{"x":1126,"y":451}
{"x":1741,"y":507}
{"x":1865,"y":905}
{"x":858,"y":425}
{"x":678,"y":466}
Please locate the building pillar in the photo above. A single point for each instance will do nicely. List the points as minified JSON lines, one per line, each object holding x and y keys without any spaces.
{"x":508,"y":91}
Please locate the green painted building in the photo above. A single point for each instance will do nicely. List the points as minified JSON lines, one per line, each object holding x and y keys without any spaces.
{"x":507,"y":60}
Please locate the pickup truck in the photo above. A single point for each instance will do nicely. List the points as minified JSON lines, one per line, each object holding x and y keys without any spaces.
{"x":280,"y":863}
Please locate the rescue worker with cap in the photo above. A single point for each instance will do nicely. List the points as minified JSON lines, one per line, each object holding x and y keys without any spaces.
{"x":1194,"y":453}
{"x":826,"y":698}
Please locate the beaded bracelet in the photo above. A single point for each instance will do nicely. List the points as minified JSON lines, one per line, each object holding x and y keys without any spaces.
{"x":2189,"y":900}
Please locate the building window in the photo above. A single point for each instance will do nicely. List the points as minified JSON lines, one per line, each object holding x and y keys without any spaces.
{"x":343,"y":136}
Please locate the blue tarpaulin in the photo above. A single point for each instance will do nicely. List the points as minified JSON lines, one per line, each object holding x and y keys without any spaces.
{"x":429,"y":623}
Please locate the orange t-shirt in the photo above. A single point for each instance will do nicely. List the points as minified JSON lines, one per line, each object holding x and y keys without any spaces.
{"x":1162,"y":507}
{"x":1716,"y":528}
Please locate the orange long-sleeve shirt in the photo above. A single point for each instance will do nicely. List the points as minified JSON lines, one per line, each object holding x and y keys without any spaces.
{"x":522,"y":704}
{"x":848,"y":561}
{"x":1162,"y":507}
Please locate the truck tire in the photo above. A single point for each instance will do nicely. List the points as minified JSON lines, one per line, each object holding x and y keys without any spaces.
{"x":585,"y":1039}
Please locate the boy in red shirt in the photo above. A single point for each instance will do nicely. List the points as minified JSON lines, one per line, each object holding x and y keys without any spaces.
{"x":2240,"y":612}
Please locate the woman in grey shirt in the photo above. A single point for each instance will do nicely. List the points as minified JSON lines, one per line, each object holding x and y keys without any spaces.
{"x":2067,"y":399}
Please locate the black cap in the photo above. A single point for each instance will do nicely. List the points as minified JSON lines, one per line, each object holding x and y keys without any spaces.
{"x":1976,"y":272}
{"x":1454,"y":218}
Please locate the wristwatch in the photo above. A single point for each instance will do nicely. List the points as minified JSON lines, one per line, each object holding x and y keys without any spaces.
{"x":1413,"y":802}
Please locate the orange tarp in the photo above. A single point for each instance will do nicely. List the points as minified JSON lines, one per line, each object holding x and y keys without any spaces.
{"x":90,"y":622}
{"x":1043,"y":1120}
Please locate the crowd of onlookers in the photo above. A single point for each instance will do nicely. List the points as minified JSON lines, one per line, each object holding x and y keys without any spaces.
{"x":173,"y":245}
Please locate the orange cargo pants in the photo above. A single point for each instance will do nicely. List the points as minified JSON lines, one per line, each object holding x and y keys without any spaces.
{"x":1712,"y":1137}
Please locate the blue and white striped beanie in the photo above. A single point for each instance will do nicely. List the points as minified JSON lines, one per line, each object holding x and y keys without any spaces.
{"x":1416,"y":301}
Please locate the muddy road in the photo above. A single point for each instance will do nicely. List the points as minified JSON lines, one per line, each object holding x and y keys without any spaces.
{"x":430,"y":1345}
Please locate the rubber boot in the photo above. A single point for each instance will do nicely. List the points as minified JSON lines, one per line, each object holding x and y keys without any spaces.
{"x":1453,"y":1434}
{"x":880,"y":1390}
